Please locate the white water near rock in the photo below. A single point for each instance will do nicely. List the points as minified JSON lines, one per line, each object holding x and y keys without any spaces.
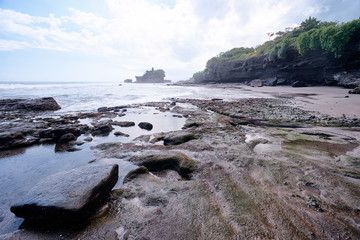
{"x":74,"y":97}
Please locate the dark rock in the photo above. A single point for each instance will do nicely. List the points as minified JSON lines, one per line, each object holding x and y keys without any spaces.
{"x":145,"y":125}
{"x":121,"y":134}
{"x":102,"y":109}
{"x":157,"y":161}
{"x":88,"y":139}
{"x":67,"y":198}
{"x":123,"y":124}
{"x":355,"y":91}
{"x":216,"y":99}
{"x":176,"y":138}
{"x":299,"y":84}
{"x":57,"y":132}
{"x":38,"y":104}
{"x":190,"y":125}
{"x":102,"y":129}
{"x":11,"y":140}
{"x":6,"y":137}
{"x":67,"y":137}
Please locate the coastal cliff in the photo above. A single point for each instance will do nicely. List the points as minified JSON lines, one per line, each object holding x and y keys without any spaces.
{"x":324,"y":55}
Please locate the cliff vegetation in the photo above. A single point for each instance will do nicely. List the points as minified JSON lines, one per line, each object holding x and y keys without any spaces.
{"x":328,"y":42}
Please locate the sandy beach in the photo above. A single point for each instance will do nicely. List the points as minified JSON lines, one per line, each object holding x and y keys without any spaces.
{"x":333,"y":101}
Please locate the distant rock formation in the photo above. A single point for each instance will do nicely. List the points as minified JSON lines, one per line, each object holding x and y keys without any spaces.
{"x":128,"y":81}
{"x":152,"y":76}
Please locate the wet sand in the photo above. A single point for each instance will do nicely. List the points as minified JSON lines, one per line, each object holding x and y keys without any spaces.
{"x":333,"y":101}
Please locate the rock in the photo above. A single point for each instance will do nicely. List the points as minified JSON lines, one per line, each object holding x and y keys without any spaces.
{"x":68,"y":147}
{"x":121,"y":134}
{"x":102,"y":109}
{"x":190,"y":125}
{"x":11,"y":140}
{"x":355,"y":91}
{"x":176,"y":138}
{"x":156,"y":161}
{"x":102,"y":129}
{"x":256,"y":83}
{"x":57,"y":132}
{"x":88,"y":139}
{"x":38,"y":104}
{"x":143,"y":138}
{"x":145,"y":125}
{"x":67,"y":198}
{"x":123,"y":124}
{"x":299,"y":84}
{"x":134,"y":173}
{"x":67,"y":137}
{"x":6,"y":137}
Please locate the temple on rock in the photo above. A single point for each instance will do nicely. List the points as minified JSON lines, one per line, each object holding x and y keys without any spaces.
{"x":152,"y":76}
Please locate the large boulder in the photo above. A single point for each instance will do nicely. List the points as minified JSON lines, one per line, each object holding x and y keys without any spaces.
{"x":69,"y":197}
{"x":38,"y":104}
{"x":176,"y":138}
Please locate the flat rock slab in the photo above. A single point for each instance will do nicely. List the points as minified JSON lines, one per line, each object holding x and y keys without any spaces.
{"x":68,"y":197}
{"x":38,"y":104}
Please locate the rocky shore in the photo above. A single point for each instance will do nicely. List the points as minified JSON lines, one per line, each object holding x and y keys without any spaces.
{"x":258,"y":168}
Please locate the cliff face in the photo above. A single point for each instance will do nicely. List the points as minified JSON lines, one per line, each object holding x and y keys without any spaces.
{"x":317,"y":67}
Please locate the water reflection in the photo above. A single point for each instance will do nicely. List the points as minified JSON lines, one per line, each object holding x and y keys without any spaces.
{"x":22,"y":169}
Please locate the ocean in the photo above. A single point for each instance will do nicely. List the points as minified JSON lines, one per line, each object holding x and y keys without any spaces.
{"x":73,"y":97}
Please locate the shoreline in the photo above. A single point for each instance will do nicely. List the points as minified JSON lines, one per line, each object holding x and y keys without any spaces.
{"x":263,"y":168}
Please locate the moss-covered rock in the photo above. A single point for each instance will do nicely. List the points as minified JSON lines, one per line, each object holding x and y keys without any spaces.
{"x":157,"y":161}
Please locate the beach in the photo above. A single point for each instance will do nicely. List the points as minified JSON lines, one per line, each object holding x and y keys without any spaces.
{"x":221,"y":162}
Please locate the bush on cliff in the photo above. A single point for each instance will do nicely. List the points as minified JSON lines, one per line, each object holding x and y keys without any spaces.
{"x":329,"y":38}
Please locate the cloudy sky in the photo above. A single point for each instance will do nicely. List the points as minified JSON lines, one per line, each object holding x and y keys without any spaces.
{"x":111,"y":40}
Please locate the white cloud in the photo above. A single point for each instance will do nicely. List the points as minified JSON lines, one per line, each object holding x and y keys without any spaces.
{"x":141,"y":34}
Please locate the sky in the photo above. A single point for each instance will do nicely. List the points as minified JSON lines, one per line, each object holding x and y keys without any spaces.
{"x":113,"y":40}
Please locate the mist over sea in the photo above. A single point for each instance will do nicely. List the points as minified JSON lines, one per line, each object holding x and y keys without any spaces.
{"x":73,"y":97}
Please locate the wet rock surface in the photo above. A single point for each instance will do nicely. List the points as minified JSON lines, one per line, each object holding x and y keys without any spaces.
{"x":258,"y":169}
{"x":69,"y":197}
{"x":39,"y":104}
